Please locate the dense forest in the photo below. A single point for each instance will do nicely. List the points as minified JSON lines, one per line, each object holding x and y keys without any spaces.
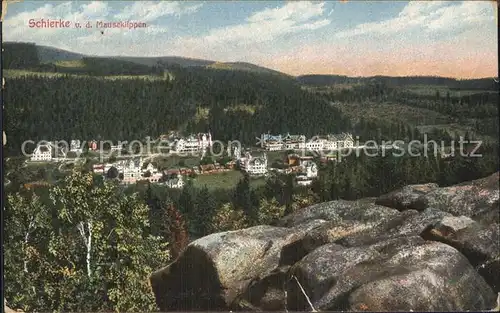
{"x":83,"y":107}
{"x":238,"y":106}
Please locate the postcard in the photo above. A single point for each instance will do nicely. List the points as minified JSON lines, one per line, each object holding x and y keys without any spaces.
{"x":250,"y":156}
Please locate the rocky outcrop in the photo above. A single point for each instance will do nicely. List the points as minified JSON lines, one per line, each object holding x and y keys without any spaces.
{"x":475,"y":199}
{"x":409,"y":249}
{"x":480,"y":244}
{"x":218,"y":268}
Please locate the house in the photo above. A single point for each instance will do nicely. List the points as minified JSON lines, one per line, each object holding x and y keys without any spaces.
{"x":294,"y":142}
{"x":154,"y":178}
{"x":48,"y":152}
{"x":186,"y":145}
{"x":231,"y":165}
{"x":303,"y":180}
{"x":299,"y":142}
{"x":43,"y":152}
{"x":271,"y":143}
{"x":93,"y":145}
{"x":149,"y":168}
{"x":59,"y":152}
{"x":315,"y":144}
{"x":175,"y":182}
{"x":75,"y":146}
{"x":309,"y":171}
{"x":292,"y":159}
{"x":99,"y":168}
{"x":132,"y":171}
{"x":118,"y":147}
{"x":236,"y":153}
{"x":330,"y":142}
{"x":295,"y":159}
{"x":193,"y":143}
{"x":341,"y":141}
{"x":254,"y":165}
{"x":204,"y":140}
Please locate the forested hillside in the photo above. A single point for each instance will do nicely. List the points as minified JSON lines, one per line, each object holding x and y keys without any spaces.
{"x":38,"y":107}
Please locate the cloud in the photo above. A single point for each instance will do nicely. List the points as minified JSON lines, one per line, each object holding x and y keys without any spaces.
{"x":95,"y":8}
{"x":16,"y":26}
{"x":147,"y":11}
{"x":429,"y":16}
{"x":472,"y":53}
{"x":265,"y":25}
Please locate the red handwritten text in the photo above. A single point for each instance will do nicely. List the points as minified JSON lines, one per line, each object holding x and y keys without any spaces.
{"x":122,"y":24}
{"x":48,"y":23}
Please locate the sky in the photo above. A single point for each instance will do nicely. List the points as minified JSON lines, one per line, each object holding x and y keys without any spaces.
{"x":355,"y":38}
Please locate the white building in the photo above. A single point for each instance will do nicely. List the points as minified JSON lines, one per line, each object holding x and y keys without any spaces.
{"x":315,"y":144}
{"x":42,"y":153}
{"x":48,"y":152}
{"x":254,"y":165}
{"x":299,"y":142}
{"x":341,"y":141}
{"x":330,"y":142}
{"x":271,"y":143}
{"x":236,"y":153}
{"x":309,"y":172}
{"x":294,"y":142}
{"x":116,"y":148}
{"x":274,"y":146}
{"x":75,"y":146}
{"x":186,"y":145}
{"x":310,"y":169}
{"x":205,"y":141}
{"x":132,"y":171}
{"x":176,"y":182}
{"x":151,"y":168}
{"x":193,"y":144}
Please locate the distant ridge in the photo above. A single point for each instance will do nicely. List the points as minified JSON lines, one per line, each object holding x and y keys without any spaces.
{"x":47,"y":54}
{"x":487,"y":83}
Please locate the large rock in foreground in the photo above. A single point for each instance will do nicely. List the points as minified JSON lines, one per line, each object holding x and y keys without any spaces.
{"x":215,"y":270}
{"x":394,"y":275}
{"x":426,"y":248}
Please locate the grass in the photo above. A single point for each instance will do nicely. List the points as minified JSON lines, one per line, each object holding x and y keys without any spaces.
{"x":224,"y":180}
{"x":220,"y":66}
{"x":202,"y":113}
{"x":22,"y":73}
{"x":458,"y":129}
{"x":172,"y":162}
{"x":40,"y":164}
{"x":394,"y":112}
{"x":425,"y":120}
{"x":71,"y":64}
{"x":330,"y":88}
{"x":423,"y":90}
{"x":251,"y":109}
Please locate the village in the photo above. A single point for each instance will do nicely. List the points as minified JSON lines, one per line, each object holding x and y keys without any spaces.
{"x":285,"y":154}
